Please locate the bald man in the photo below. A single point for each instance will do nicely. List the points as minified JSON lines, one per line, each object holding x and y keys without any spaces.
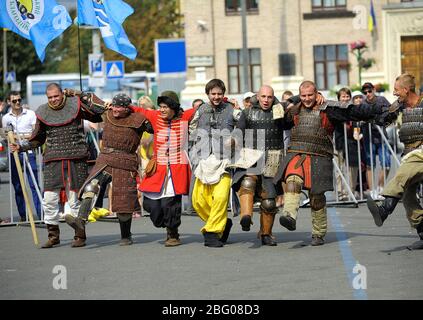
{"x":262,"y":125}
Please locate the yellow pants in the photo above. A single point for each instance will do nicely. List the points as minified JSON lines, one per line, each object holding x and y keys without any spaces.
{"x":211,"y":203}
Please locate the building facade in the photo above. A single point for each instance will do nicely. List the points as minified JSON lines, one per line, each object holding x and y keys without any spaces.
{"x":290,"y":41}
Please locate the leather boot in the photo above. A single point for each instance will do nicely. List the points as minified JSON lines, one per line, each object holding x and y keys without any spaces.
{"x":79,"y":239}
{"x":125,"y":232}
{"x":266,"y":225}
{"x":53,"y":236}
{"x":288,"y":222}
{"x":227,"y":230}
{"x":247,"y":202}
{"x":382,"y":211}
{"x":172,"y":239}
{"x":211,"y":239}
{"x":78,"y":224}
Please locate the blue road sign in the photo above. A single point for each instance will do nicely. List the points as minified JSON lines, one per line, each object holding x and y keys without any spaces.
{"x":115,"y":69}
{"x":170,"y":56}
{"x":10,"y":76}
{"x":96,"y":65}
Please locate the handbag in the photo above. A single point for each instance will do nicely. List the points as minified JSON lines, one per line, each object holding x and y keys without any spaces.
{"x":151,"y":167}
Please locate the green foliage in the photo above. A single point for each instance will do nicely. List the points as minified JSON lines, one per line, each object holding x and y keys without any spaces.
{"x":21,"y":58}
{"x":382,"y":87}
{"x":152,"y":19}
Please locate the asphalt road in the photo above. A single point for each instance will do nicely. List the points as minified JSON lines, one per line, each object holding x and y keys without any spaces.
{"x":359,"y":261}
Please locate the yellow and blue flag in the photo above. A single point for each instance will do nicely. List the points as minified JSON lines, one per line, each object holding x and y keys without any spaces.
{"x":372,"y":17}
{"x":108,"y":15}
{"x":40,"y":21}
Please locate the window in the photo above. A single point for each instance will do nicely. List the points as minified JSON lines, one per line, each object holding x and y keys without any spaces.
{"x":236,"y":71}
{"x":331,"y":66}
{"x":234,"y":6}
{"x":318,"y":5}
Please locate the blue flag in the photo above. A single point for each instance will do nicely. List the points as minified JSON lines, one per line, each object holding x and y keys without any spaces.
{"x":108,"y":15}
{"x":40,"y":21}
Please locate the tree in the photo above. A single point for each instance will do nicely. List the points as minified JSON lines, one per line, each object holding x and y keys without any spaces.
{"x":152,"y":19}
{"x":21,"y":58}
{"x":62,"y":55}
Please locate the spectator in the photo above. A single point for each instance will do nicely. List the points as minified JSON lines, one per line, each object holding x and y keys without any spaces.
{"x":378,"y":147}
{"x":197,"y":103}
{"x":146,"y":151}
{"x":22,"y":121}
{"x":246,"y":101}
{"x":344,"y":95}
{"x":357,"y":98}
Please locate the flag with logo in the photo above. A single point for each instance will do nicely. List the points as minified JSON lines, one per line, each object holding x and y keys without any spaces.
{"x":108,"y":15}
{"x":40,"y":21}
{"x":372,"y":17}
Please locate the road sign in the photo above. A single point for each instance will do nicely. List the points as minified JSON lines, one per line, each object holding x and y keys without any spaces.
{"x":115,"y":69}
{"x":170,"y":56}
{"x":95,"y":63}
{"x":15,"y":86}
{"x":10,"y":76}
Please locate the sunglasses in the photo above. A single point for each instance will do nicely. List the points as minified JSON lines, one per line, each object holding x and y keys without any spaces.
{"x":17,"y":100}
{"x":367,"y":91}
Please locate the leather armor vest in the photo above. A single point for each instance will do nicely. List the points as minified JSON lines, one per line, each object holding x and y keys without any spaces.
{"x":122,"y":134}
{"x":411,"y":131}
{"x":309,"y":137}
{"x":65,"y":137}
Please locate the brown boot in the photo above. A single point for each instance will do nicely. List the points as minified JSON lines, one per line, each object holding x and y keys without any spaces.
{"x":79,"y":239}
{"x":247,"y":202}
{"x":172,"y":239}
{"x":78,"y":224}
{"x":53,"y":236}
{"x":266,"y":225}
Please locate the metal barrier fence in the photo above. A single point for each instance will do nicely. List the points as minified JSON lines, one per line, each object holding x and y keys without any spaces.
{"x":345,"y":189}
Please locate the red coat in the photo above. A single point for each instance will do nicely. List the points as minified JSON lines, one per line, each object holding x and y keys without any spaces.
{"x":170,"y":139}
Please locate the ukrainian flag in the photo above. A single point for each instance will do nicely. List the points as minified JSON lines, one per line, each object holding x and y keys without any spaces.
{"x":372,"y":17}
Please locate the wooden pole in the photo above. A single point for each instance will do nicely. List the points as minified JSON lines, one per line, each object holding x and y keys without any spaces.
{"x":11,"y":138}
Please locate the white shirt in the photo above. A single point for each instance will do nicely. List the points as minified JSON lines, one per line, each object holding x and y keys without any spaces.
{"x":167,"y":190}
{"x":23,"y":123}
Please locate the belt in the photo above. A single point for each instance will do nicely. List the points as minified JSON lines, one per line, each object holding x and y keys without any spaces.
{"x":113,"y":150}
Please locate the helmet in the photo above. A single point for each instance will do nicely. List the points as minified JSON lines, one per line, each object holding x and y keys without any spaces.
{"x":122,"y":99}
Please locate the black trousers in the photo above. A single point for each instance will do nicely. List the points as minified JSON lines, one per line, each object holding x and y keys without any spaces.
{"x":165,"y":212}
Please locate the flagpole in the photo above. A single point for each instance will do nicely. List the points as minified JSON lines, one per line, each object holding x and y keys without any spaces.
{"x":4,"y":60}
{"x":79,"y":58}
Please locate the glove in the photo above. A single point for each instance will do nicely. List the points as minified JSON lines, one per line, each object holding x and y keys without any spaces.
{"x":383,"y":117}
